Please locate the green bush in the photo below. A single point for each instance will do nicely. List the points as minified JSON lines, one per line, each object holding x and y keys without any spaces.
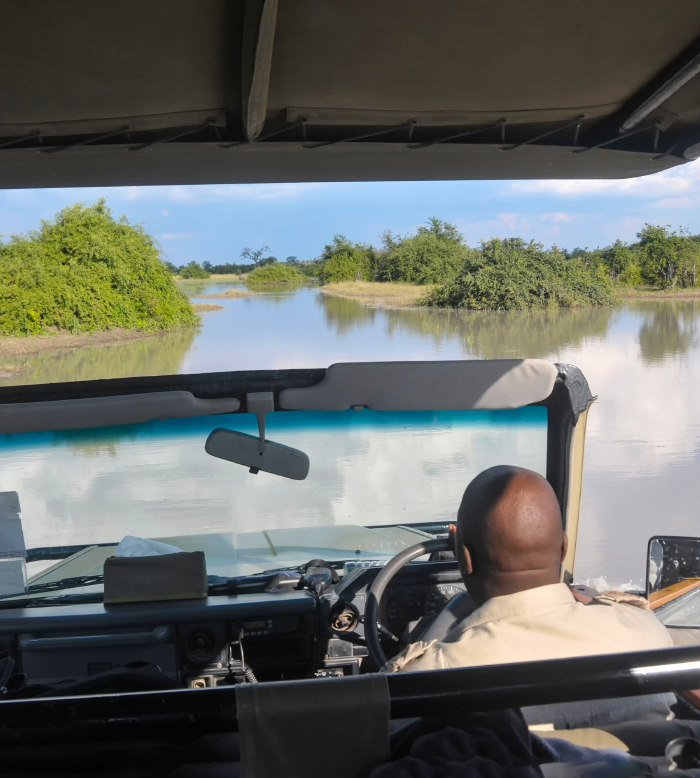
{"x":433,"y":255}
{"x":343,"y":260}
{"x":513,"y":275}
{"x":193,"y":270}
{"x":276,"y":273}
{"x":86,"y":271}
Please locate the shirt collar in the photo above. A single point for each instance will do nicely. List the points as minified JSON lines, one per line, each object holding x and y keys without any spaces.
{"x":520,"y":604}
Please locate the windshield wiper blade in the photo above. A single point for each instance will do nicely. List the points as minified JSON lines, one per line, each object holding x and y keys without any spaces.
{"x":61,"y":599}
{"x":63,"y":583}
{"x":285,"y":579}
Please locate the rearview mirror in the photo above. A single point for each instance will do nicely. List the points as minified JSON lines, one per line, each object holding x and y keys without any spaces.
{"x":258,"y":454}
{"x":670,"y":560}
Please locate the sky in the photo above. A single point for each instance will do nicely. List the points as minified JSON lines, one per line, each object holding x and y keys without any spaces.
{"x":215,"y":222}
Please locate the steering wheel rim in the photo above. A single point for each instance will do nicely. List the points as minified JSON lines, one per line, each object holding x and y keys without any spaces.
{"x":377,"y":589}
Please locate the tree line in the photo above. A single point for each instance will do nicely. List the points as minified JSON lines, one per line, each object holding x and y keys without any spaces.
{"x":511,"y":273}
{"x":500,"y":273}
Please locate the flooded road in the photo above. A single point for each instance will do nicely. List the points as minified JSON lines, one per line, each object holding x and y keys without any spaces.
{"x":642,"y":360}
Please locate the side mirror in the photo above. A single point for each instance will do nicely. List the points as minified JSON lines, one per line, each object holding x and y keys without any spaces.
{"x":670,"y":560}
{"x":258,"y":454}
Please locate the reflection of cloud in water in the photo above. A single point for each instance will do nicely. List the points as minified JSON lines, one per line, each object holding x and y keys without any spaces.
{"x":162,"y":486}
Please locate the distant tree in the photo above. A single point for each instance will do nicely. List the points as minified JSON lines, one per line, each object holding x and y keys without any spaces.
{"x":207,"y":265}
{"x":276,"y":273}
{"x":172,"y":269}
{"x":256,"y":257}
{"x":510,"y":274}
{"x":291,"y":259}
{"x":618,"y":259}
{"x":343,"y":260}
{"x":193,"y":270}
{"x":434,"y":254}
{"x":668,"y":257}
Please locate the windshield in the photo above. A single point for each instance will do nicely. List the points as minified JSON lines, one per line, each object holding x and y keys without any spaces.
{"x":367,"y":469}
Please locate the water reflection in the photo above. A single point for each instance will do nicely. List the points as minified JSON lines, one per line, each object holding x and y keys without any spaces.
{"x":343,"y":314}
{"x":481,"y":334}
{"x":669,"y":329}
{"x":158,"y":355}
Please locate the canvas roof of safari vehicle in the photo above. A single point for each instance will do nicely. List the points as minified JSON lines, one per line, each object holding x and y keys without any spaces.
{"x":174,"y":91}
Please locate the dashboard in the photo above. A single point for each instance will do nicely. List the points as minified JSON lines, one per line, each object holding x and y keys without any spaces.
{"x":212,"y":642}
{"x":410,"y":603}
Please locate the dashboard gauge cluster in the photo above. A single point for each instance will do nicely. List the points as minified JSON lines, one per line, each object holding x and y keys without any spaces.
{"x":412,"y":602}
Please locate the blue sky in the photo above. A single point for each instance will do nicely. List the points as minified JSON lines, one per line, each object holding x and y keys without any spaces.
{"x":216,"y":222}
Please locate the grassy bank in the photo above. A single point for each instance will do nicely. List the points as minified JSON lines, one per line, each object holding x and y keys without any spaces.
{"x":384,"y":294}
{"x":214,"y":277}
{"x":207,"y":308}
{"x":649,"y":293}
{"x":229,"y":294}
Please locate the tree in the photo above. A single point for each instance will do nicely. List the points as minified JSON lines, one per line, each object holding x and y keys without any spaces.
{"x":193,"y":270}
{"x":87,"y":271}
{"x":664,"y":253}
{"x":343,"y":260}
{"x":434,"y":254}
{"x":510,"y":274}
{"x":618,"y":259}
{"x":256,"y":257}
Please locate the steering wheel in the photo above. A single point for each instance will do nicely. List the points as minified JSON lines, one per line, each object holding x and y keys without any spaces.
{"x":374,"y":597}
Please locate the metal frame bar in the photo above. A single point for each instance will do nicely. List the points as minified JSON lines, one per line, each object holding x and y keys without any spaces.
{"x":500,"y":123}
{"x":424,"y":694}
{"x":688,"y":68}
{"x":409,"y":125}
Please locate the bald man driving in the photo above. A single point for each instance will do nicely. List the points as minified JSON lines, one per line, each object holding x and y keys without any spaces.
{"x":510,"y":546}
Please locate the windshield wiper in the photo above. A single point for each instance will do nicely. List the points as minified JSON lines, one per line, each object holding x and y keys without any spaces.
{"x":54,"y":586}
{"x":65,"y":583}
{"x":61,"y":599}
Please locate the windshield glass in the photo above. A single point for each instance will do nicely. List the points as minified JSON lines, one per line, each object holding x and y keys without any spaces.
{"x":367,"y":468}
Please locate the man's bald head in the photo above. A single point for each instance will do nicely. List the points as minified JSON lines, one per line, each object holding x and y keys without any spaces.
{"x":509,"y":533}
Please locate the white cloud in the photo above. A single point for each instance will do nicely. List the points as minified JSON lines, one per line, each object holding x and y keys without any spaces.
{"x":201,"y":194}
{"x":558,"y":218}
{"x":673,"y":202}
{"x":676,"y":181}
{"x":164,"y":212}
{"x":179,"y":236}
{"x":180,"y":194}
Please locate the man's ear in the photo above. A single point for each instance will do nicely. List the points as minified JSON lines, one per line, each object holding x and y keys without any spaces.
{"x":564,"y":545}
{"x":468,"y":565}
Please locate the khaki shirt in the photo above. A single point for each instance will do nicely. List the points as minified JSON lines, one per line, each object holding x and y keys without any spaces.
{"x":542,"y":623}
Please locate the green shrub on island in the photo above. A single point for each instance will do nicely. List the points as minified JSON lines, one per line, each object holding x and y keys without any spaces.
{"x":276,"y":273}
{"x":343,"y":260}
{"x":433,"y":255}
{"x":193,"y":270}
{"x":87,"y":271}
{"x":510,"y":274}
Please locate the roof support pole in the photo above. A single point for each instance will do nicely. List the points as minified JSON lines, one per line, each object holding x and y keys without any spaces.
{"x":688,"y":68}
{"x":258,"y":38}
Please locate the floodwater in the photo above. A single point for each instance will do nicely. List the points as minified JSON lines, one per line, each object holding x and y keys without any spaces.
{"x":642,"y":360}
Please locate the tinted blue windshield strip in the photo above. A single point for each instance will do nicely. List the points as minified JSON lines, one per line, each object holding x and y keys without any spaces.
{"x":316,"y":421}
